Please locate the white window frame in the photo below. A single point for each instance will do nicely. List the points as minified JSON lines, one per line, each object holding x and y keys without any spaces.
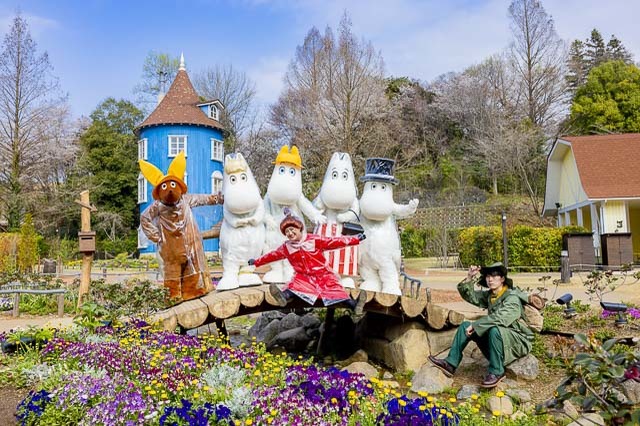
{"x":142,"y":149}
{"x":176,"y":150}
{"x":142,"y":189}
{"x":216,"y":182}
{"x":217,"y":150}
{"x":214,"y":111}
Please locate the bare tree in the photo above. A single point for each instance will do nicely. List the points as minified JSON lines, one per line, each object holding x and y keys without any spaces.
{"x":158,"y":71}
{"x":334,"y":96}
{"x":538,"y":56}
{"x":236,"y":91}
{"x":29,"y":97}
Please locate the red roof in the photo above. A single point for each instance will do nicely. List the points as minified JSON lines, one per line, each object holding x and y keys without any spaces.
{"x":179,"y":106}
{"x":608,"y":164}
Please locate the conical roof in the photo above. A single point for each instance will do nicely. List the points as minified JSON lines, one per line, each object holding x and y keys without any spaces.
{"x":179,"y":106}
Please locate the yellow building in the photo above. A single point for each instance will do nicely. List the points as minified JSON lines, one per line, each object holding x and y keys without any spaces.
{"x":594,"y":181}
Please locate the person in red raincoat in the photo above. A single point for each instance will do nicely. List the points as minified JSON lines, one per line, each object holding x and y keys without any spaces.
{"x":312,"y":278}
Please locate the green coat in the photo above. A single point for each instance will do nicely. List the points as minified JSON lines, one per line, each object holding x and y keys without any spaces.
{"x":504,"y":313}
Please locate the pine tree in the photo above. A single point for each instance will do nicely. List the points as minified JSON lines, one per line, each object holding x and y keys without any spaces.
{"x":585,"y":56}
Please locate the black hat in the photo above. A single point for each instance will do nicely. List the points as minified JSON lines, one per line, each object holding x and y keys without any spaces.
{"x":493,"y":268}
{"x":379,"y":170}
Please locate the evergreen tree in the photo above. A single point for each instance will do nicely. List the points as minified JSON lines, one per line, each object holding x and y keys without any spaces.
{"x":108,"y":163}
{"x":608,"y":101}
{"x":584,"y":56}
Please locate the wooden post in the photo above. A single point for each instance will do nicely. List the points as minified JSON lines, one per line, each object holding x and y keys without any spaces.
{"x":87,"y":256}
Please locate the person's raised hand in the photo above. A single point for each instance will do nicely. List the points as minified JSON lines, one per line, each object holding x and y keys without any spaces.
{"x":473,"y":271}
{"x":251,"y":262}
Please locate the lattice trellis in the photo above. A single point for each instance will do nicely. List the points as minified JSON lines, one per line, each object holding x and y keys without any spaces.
{"x":450,"y":217}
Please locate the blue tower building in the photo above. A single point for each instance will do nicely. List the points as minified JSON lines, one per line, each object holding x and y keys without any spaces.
{"x":182,"y":122}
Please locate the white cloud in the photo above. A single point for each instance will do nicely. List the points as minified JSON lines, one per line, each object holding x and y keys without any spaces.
{"x":37,"y":24}
{"x":268,"y":73}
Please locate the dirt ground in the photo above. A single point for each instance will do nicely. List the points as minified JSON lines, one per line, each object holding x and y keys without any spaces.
{"x":10,"y":397}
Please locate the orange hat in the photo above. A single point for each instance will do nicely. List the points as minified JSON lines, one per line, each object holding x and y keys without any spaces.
{"x":291,"y":220}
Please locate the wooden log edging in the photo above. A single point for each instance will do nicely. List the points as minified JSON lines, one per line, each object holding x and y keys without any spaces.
{"x":217,"y":306}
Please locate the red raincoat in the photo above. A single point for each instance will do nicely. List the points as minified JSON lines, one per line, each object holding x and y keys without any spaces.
{"x":312,"y":276}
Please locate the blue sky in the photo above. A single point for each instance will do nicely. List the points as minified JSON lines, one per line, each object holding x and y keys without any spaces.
{"x":97,"y":47}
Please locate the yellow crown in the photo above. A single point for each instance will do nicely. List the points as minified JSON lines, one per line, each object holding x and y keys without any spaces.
{"x":234,"y":163}
{"x":289,"y":156}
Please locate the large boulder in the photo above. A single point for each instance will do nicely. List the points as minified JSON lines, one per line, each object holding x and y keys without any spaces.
{"x":363,"y":368}
{"x":293,"y":340}
{"x":525,"y":368}
{"x":409,"y":351}
{"x":430,"y":379}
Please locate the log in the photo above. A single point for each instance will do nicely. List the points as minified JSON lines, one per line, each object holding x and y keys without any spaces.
{"x":267,"y":295}
{"x":411,"y":306}
{"x":167,"y":319}
{"x":222,"y":305}
{"x":191,"y":314}
{"x":437,"y":316}
{"x":249,"y":297}
{"x":354,"y":292}
{"x":386,"y":299}
{"x":456,"y":318}
{"x":414,"y":306}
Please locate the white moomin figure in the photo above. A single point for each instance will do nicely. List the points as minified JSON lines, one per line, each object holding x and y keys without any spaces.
{"x":285,"y":190}
{"x":338,"y":200}
{"x":242,"y":233}
{"x":380,"y":252}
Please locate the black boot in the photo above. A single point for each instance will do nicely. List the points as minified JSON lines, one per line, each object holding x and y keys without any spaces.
{"x":281,"y":297}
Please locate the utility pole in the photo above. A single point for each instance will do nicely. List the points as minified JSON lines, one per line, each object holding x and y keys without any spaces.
{"x":505,"y":255}
{"x":87,"y":244}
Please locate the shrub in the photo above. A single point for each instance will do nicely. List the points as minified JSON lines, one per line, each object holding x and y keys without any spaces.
{"x":480,"y":245}
{"x":527,"y":246}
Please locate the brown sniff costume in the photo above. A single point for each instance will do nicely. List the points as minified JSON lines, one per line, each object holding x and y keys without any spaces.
{"x":169,"y":223}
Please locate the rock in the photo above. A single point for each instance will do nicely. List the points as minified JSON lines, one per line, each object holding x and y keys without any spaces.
{"x":408,"y":352}
{"x":570,"y":410}
{"x":520,"y":395}
{"x":376,"y":348}
{"x":440,"y":341}
{"x":394,"y":331}
{"x":466,"y":391}
{"x":262,"y":321}
{"x":430,"y":379}
{"x":268,"y":333}
{"x":294,"y":340}
{"x":631,"y":389}
{"x":502,"y":404}
{"x":387,"y":376}
{"x":363,"y":368}
{"x":526,"y":368}
{"x":357,"y":356}
{"x":588,"y":419}
{"x":310,"y":320}
{"x":290,"y":321}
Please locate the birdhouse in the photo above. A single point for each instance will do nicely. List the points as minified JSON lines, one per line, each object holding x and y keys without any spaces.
{"x":87,"y":242}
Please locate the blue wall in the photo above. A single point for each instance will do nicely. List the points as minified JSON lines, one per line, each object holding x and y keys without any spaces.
{"x":200,"y":166}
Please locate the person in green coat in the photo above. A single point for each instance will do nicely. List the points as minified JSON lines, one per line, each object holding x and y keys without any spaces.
{"x":502,"y":335}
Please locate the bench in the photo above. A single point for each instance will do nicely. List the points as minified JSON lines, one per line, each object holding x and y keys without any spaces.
{"x":17,"y":289}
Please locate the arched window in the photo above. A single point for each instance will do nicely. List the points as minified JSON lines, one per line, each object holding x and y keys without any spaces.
{"x":216,"y":182}
{"x":214,"y":112}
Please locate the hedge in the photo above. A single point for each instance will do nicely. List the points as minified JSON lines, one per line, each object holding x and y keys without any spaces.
{"x":526,"y":245}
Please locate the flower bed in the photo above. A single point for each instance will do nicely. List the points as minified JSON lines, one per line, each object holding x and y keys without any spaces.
{"x":133,"y":375}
